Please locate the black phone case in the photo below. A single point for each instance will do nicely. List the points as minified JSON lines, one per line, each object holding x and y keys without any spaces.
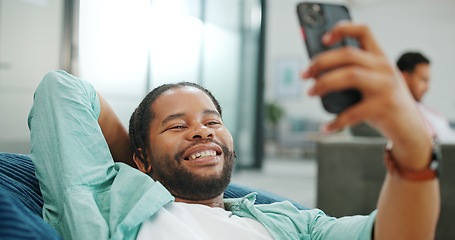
{"x":315,"y":20}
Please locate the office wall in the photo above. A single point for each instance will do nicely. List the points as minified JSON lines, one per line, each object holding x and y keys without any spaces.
{"x":399,"y":25}
{"x":30,"y":35}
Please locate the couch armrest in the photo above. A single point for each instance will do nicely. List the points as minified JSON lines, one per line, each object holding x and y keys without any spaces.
{"x":350,"y":174}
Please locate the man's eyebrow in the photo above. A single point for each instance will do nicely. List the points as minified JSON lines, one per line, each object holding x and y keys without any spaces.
{"x":211,"y":112}
{"x":172,"y":117}
{"x":181,"y":115}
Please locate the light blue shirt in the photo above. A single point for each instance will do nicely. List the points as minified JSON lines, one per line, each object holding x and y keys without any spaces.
{"x":88,"y":196}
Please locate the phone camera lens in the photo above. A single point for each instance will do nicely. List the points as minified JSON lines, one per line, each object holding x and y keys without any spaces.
{"x":310,"y":19}
{"x":316,"y":7}
{"x":313,"y":15}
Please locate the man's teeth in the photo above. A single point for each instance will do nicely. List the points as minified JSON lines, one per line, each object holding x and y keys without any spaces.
{"x":206,"y":153}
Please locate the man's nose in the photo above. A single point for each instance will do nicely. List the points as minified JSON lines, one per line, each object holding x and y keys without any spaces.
{"x":201,"y":132}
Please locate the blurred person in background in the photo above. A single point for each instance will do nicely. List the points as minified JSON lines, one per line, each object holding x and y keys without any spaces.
{"x":415,"y":68}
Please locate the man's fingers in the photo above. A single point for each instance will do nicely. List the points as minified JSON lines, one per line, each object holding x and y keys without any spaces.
{"x":350,"y":77}
{"x":361,"y":32}
{"x":351,"y":116}
{"x":345,"y":56}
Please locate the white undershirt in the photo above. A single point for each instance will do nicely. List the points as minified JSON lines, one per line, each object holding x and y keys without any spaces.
{"x":195,"y":221}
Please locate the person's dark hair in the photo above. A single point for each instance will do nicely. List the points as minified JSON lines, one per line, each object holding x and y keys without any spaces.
{"x":139,"y":126}
{"x":409,"y":60}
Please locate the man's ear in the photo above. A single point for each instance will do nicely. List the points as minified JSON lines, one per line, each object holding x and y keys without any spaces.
{"x":407,"y":77}
{"x":140,"y":165}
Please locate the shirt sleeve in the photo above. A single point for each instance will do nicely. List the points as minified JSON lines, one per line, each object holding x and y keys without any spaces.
{"x":284,"y":221}
{"x":350,"y":227}
{"x":69,"y":151}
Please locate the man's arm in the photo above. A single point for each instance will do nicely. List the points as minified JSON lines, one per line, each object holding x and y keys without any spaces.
{"x":115,"y":134}
{"x":406,"y":209}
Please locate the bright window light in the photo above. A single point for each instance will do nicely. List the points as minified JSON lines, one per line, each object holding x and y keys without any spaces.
{"x":175,"y":43}
{"x":113,"y":44}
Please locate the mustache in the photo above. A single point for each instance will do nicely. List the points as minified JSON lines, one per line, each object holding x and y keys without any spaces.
{"x":179,"y":155}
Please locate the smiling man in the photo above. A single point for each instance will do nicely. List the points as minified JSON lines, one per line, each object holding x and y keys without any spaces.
{"x":184,"y":157}
{"x":188,"y":140}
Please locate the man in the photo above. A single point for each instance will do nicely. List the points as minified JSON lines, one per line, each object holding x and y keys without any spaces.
{"x":415,"y":68}
{"x":180,"y":143}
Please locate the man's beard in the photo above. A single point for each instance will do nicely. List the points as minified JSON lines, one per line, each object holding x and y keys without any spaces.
{"x":187,"y":185}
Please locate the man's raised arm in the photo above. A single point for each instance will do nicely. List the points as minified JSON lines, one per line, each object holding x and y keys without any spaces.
{"x":407,"y":209}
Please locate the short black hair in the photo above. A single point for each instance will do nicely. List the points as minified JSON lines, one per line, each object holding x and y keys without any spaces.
{"x":408,"y":61}
{"x":139,"y":126}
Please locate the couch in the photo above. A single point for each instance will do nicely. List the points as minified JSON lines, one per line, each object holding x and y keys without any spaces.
{"x":21,"y":201}
{"x":351,"y":172}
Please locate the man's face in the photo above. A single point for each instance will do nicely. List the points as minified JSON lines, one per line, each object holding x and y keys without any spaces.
{"x":418,"y":81}
{"x":191,"y":152}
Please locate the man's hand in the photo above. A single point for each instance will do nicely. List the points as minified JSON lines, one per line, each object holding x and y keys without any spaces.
{"x":406,"y":209}
{"x":387,"y":103}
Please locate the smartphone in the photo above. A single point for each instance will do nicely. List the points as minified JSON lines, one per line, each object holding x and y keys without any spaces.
{"x":315,"y":20}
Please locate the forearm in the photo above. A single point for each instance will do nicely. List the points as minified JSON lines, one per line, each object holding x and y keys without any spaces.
{"x":407,"y":209}
{"x":115,"y":134}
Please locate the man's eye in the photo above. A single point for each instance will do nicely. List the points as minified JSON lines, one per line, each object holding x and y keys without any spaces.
{"x":177,"y":127}
{"x":213,"y":123}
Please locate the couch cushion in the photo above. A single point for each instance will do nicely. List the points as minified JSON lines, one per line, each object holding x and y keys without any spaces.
{"x":17,"y":176}
{"x":19,"y":222}
{"x":21,"y":201}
